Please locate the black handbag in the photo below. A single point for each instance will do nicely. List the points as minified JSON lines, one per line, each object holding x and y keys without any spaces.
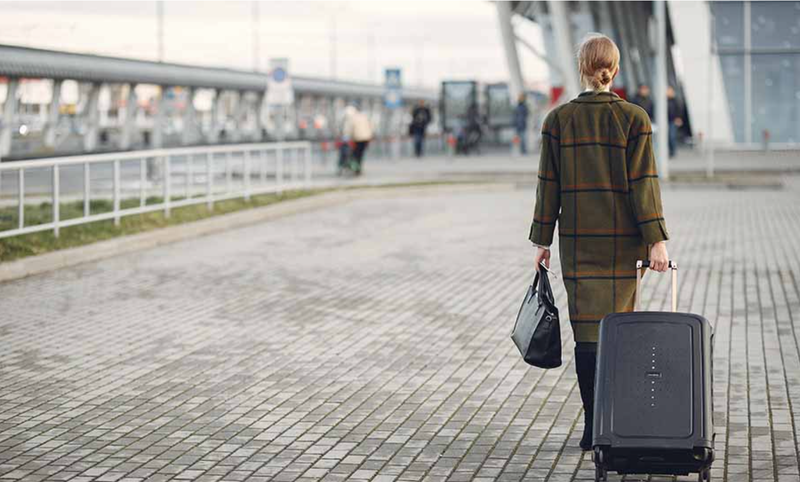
{"x":537,"y":332}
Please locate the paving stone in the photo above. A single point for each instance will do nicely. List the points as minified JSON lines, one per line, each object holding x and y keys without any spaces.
{"x":369,"y":341}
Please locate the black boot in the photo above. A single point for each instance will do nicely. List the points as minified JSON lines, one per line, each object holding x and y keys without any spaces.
{"x":585,"y":363}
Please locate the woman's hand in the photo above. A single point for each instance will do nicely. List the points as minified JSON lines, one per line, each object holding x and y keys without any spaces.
{"x":659,"y":258}
{"x":542,"y":255}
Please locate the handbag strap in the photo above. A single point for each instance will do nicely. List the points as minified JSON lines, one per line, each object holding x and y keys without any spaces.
{"x":541,"y":283}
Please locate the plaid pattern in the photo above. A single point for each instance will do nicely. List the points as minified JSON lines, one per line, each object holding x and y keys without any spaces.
{"x":598,"y":179}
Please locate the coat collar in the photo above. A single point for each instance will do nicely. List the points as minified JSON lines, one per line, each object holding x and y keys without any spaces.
{"x":596,"y":96}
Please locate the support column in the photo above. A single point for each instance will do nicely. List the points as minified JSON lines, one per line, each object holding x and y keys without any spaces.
{"x":158,"y":120}
{"x":239,"y":116}
{"x":516,"y":84}
{"x":52,"y":114}
{"x":628,"y":68}
{"x":626,"y":17}
{"x":748,"y":72}
{"x":216,"y":108}
{"x":638,"y":17}
{"x":375,"y":115}
{"x":91,"y":116}
{"x":189,"y":118}
{"x":10,"y":110}
{"x":251,"y":117}
{"x":261,"y":116}
{"x":333,"y":116}
{"x":394,"y":133}
{"x":129,"y":121}
{"x":703,"y":82}
{"x":294,"y":112}
{"x":662,"y":153}
{"x":566,"y":52}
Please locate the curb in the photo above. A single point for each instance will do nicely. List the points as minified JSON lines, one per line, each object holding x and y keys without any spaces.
{"x":64,"y":258}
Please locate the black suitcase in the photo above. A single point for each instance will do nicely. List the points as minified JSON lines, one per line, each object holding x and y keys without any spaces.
{"x":653,"y":401}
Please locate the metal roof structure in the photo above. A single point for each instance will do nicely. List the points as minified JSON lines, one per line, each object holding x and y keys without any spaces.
{"x":51,"y":64}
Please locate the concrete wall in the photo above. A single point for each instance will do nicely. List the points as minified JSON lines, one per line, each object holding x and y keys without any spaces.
{"x":705,"y":98}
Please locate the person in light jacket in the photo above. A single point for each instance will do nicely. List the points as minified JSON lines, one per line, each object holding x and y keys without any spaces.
{"x":598,"y":181}
{"x":358,"y":130}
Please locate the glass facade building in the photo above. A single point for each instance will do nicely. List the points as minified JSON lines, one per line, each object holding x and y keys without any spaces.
{"x":758,"y":44}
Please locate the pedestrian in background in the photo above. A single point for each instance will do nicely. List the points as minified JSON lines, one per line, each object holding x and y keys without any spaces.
{"x":674,"y":111}
{"x":598,"y":180}
{"x":420,"y":118}
{"x":357,"y":130}
{"x":521,"y":123}
{"x":643,"y":100}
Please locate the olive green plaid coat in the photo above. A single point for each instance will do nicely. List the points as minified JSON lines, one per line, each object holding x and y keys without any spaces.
{"x":598,"y":180}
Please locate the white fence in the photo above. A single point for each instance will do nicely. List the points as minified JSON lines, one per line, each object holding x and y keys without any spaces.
{"x":146,"y":181}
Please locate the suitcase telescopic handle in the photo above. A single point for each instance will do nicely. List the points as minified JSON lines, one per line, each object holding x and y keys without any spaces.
{"x":673,"y":267}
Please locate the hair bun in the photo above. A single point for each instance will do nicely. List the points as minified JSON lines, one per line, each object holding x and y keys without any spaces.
{"x":602,"y":76}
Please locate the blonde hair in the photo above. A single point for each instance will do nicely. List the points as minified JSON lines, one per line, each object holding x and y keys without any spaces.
{"x":598,"y":60}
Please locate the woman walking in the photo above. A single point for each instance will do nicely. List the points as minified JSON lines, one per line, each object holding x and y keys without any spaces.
{"x":598,"y":179}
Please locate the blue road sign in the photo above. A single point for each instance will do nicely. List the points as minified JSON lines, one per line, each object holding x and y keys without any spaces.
{"x":393,"y":93}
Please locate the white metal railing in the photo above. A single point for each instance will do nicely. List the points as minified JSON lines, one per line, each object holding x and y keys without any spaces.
{"x":244,"y":169}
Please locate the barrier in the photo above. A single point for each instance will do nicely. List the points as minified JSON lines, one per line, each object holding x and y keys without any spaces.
{"x":245,"y":170}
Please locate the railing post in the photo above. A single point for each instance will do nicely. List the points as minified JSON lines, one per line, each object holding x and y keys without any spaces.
{"x":247,"y":175}
{"x":189,"y":176}
{"x":167,"y":185}
{"x":116,"y":192}
{"x":209,"y":181}
{"x":294,"y":165}
{"x":142,"y":180}
{"x":228,"y":172}
{"x":279,"y":168}
{"x":262,"y":157}
{"x":307,"y":154}
{"x":301,"y":175}
{"x":86,"y":190}
{"x":21,"y":198}
{"x":56,"y":201}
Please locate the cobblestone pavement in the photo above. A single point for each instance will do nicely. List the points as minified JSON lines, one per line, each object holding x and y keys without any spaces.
{"x":369,"y":341}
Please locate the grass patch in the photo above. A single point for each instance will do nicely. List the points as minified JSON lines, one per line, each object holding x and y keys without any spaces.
{"x":17,"y":247}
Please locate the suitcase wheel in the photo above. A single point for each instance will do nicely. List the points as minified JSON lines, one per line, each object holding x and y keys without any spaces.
{"x":597,"y":456}
{"x":704,"y":476}
{"x":600,"y":474}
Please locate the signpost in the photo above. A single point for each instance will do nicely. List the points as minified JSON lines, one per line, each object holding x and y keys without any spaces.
{"x":393,"y":100}
{"x":279,"y":83}
{"x":280,"y":93}
{"x":393,"y":96}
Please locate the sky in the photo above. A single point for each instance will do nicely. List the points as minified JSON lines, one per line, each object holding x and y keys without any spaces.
{"x":430,"y":41}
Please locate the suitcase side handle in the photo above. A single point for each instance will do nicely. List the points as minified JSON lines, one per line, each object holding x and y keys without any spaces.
{"x":646,"y":264}
{"x":673,"y":267}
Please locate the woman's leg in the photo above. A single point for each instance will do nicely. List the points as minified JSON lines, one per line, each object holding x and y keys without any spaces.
{"x":585,"y":367}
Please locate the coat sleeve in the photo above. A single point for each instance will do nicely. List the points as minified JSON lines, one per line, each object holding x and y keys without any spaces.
{"x":548,"y":189}
{"x":644,"y":192}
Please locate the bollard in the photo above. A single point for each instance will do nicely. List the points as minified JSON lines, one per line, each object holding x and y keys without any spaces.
{"x":515,"y":146}
{"x":324,"y":147}
{"x":395,"y":148}
{"x":451,"y":145}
